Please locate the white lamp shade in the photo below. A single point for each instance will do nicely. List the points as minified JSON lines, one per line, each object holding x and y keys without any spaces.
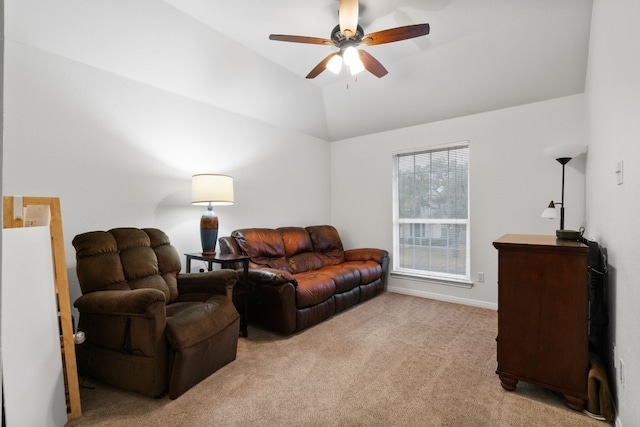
{"x":335,"y":64}
{"x":551,"y":213}
{"x":356,"y":67}
{"x":212,"y":189}
{"x":567,"y":151}
{"x":350,"y":56}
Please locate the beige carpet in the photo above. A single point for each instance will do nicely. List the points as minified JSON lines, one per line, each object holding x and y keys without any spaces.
{"x":395,"y":360}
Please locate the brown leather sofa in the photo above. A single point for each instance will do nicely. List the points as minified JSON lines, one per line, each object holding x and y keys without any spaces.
{"x":148,"y":328}
{"x":301,"y":276}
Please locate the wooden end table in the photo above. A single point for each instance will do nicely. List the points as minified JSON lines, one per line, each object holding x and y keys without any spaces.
{"x":239,"y":294}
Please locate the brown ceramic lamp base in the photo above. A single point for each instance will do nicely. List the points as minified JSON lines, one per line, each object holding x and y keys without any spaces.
{"x":209,"y":232}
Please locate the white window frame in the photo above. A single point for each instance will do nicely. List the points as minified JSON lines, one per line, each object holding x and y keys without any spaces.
{"x":463,"y":280}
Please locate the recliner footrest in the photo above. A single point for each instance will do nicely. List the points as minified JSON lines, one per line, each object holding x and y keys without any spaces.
{"x":190,"y":323}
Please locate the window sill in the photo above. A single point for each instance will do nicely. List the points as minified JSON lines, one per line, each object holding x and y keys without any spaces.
{"x":433,"y":280}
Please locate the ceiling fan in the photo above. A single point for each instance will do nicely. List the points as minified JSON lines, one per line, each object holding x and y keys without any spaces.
{"x":347,"y":36}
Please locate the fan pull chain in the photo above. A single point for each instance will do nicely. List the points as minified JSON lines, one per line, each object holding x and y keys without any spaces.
{"x":355,"y":80}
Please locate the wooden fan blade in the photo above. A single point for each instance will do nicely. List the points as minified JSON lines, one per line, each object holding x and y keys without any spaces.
{"x":348,"y":17}
{"x":372,"y":64}
{"x":321,"y":66}
{"x":396,"y":34}
{"x":301,"y":39}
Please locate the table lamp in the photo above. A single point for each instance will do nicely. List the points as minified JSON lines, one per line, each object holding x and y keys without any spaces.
{"x":563,"y":154}
{"x":210,"y":189}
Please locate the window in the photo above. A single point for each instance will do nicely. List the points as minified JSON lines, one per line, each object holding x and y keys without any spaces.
{"x":431,"y":213}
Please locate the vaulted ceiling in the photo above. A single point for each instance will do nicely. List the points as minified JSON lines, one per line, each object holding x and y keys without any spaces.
{"x":479,"y":56}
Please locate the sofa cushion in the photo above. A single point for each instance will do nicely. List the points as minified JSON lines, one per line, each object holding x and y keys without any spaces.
{"x":263,"y":245}
{"x":298,"y":249}
{"x":326,"y":242}
{"x":369,"y":270}
{"x":345,"y":277}
{"x":306,"y":261}
{"x":296,"y":240}
{"x":313,"y":288}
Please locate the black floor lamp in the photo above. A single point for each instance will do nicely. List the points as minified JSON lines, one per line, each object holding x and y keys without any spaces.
{"x":563,"y":154}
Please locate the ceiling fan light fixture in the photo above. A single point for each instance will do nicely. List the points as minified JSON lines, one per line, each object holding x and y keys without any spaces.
{"x":347,"y":36}
{"x":350,"y":56}
{"x":335,"y":64}
{"x":356,"y":67}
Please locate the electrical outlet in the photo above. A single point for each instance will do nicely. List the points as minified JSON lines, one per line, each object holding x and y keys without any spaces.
{"x":480,"y":277}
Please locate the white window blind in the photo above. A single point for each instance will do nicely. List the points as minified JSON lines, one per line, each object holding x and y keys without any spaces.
{"x":431,"y":213}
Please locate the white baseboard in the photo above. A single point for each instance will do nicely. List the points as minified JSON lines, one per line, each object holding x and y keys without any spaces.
{"x":617,"y":422}
{"x":441,"y":297}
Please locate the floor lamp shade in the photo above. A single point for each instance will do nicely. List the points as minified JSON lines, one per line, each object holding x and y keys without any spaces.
{"x":209,"y":190}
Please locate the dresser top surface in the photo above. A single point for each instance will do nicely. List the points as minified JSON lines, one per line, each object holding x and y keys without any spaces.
{"x":537,"y":240}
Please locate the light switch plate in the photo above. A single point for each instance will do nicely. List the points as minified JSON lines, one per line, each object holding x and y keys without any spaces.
{"x":619,"y":172}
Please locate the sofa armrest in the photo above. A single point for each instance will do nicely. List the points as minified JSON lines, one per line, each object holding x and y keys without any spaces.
{"x":366,"y":254}
{"x":219,"y":282}
{"x":121,"y":302}
{"x":271,"y":276}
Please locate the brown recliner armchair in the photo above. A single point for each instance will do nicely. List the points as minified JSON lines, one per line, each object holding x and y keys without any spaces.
{"x":148,"y":328}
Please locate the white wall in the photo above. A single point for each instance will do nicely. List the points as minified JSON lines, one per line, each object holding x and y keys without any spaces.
{"x":613,"y":111}
{"x":119,"y":152}
{"x":512,"y":181}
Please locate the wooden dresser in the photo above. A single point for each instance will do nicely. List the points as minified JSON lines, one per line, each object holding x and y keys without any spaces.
{"x":543,"y":301}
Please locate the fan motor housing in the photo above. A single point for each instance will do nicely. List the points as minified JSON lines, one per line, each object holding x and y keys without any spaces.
{"x":341,"y":41}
